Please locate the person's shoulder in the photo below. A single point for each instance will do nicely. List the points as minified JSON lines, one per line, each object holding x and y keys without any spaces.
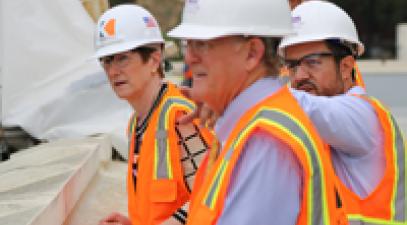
{"x":262,"y":139}
{"x":264,"y":147}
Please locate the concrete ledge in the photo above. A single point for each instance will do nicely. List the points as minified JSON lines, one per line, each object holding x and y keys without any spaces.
{"x":106,"y":193}
{"x":41,"y":185}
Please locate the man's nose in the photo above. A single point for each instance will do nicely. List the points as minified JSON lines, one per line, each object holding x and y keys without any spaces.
{"x":299,"y":73}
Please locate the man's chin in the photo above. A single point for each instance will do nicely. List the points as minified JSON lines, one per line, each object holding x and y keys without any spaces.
{"x":124,"y":95}
{"x":197,"y":94}
{"x":313,"y":92}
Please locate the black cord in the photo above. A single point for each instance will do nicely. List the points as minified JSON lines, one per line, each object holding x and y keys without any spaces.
{"x":181,"y":215}
{"x":143,"y":126}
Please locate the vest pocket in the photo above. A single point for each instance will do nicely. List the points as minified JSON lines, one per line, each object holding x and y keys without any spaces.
{"x":163,"y":190}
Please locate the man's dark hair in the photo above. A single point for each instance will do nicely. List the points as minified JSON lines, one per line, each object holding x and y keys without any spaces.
{"x":340,"y":50}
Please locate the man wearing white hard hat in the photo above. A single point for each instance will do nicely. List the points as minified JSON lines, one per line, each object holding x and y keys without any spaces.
{"x":272,"y":167}
{"x":357,"y":76}
{"x":162,"y":160}
{"x":320,"y":58}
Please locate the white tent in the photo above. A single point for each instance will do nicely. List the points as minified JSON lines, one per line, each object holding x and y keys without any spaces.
{"x":50,"y":85}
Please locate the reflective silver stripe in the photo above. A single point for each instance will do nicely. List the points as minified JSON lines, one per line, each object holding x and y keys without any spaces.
{"x":214,"y":186}
{"x":400,"y":151}
{"x":355,"y":222}
{"x":401,"y":188}
{"x":317,"y":217}
{"x":162,"y":166}
{"x":372,"y":221}
{"x":162,"y":136}
{"x":400,"y":199}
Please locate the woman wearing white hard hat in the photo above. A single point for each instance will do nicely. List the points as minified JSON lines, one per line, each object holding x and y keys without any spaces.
{"x":129,"y":46}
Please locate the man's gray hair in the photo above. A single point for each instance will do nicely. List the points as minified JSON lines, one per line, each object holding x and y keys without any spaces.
{"x":271,"y":59}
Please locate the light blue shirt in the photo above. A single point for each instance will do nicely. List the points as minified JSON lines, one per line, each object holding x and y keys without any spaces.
{"x":352,"y":129}
{"x":266,"y":183}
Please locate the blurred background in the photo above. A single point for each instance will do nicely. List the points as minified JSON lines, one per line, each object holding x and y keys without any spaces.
{"x":378,"y":22}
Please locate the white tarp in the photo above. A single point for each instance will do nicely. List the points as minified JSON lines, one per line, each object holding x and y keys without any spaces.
{"x":51,"y":87}
{"x":41,"y":185}
{"x":1,"y":58}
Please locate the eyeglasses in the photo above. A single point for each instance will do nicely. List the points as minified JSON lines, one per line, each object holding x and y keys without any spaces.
{"x":121,"y":60}
{"x":311,"y":61}
{"x":203,"y":46}
{"x":199,"y":46}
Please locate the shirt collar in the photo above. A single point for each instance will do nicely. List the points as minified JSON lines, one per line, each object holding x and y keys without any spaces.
{"x":356,"y":90}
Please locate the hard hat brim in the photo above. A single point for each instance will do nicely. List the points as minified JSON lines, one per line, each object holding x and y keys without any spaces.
{"x":295,"y":40}
{"x":122,"y":47}
{"x":196,"y":32}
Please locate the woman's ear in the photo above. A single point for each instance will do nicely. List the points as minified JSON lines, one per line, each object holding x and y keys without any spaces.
{"x":155,"y":59}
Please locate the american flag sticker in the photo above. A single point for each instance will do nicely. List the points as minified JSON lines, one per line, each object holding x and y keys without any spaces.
{"x":296,"y":19}
{"x":149,"y":21}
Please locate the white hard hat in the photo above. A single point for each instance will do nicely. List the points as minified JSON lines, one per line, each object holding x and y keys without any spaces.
{"x":321,"y":20}
{"x":123,"y":28}
{"x":209,"y":19}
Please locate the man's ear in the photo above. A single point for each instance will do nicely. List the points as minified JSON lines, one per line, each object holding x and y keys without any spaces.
{"x":346,"y":66}
{"x":255,"y":53}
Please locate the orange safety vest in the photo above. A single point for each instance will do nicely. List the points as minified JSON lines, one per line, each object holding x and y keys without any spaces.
{"x":160,"y":186}
{"x":358,"y":77}
{"x":284,"y":71}
{"x":188,"y":73}
{"x":282,"y":117}
{"x":387,"y":203}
